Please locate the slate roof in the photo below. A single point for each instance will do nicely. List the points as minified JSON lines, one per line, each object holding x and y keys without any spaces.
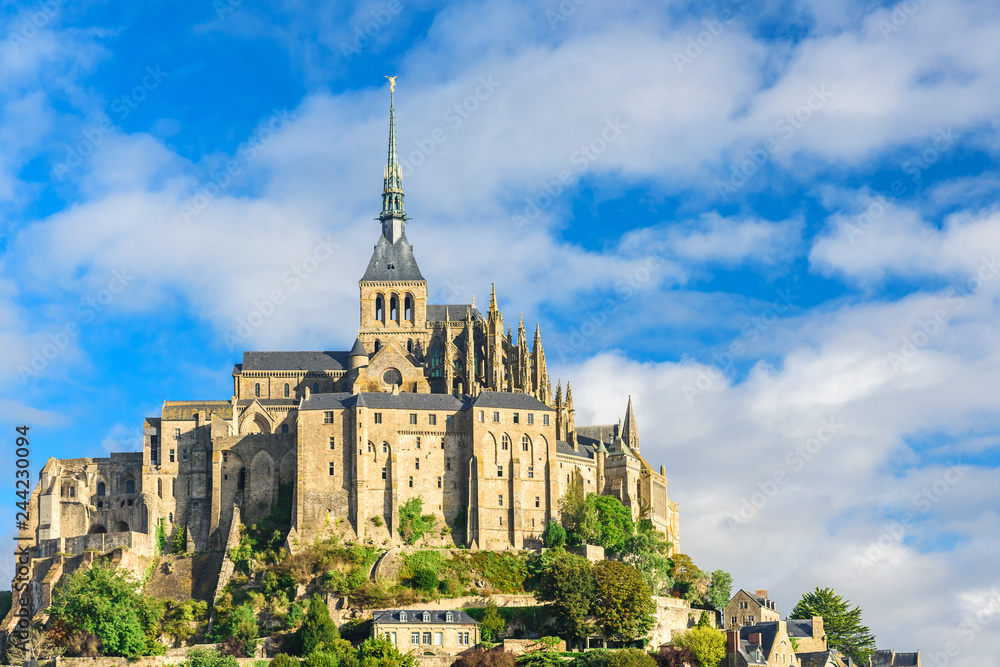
{"x":275,"y":402}
{"x":751,"y":654}
{"x":564,"y":448}
{"x":510,"y":400}
{"x":402,"y":401}
{"x":392,"y":261}
{"x":594,"y":435}
{"x":358,"y":350}
{"x":815,"y":659}
{"x":768,"y":630}
{"x":799,"y":627}
{"x":390,"y":616}
{"x":294,"y":361}
{"x":184,"y":410}
{"x":889,"y":658}
{"x":456,"y":313}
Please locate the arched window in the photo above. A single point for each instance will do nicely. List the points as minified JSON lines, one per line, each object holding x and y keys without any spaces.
{"x":101,"y":488}
{"x":394,"y":308}
{"x":525,"y":443}
{"x":256,"y":390}
{"x":315,"y":387}
{"x":159,"y":488}
{"x":129,"y":486}
{"x":408,"y":308}
{"x":437,"y":359}
{"x":378,"y":346}
{"x":284,"y":428}
{"x":72,"y":492}
{"x":409,"y":346}
{"x":506,"y":442}
{"x":286,"y":390}
{"x":380,"y":308}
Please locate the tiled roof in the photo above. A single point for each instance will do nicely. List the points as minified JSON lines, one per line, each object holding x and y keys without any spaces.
{"x":458,"y":617}
{"x":392,"y":262}
{"x":334,"y":401}
{"x":800,"y":627}
{"x":294,"y":361}
{"x":509,"y":400}
{"x":456,"y":313}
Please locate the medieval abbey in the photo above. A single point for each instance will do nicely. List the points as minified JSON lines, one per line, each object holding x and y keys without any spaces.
{"x":435,"y":401}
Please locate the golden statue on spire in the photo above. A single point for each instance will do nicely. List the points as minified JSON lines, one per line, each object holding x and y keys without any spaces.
{"x":392,"y":83}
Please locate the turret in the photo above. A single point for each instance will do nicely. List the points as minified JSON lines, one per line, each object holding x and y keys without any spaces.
{"x":630,"y":431}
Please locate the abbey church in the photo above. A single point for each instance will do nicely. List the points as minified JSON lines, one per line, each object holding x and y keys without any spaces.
{"x":432,"y":401}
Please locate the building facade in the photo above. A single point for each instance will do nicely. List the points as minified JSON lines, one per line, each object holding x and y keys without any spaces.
{"x":430,"y":632}
{"x":432,"y":401}
{"x":747,"y":608}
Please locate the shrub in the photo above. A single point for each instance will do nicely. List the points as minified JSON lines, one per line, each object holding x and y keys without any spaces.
{"x":321,"y":659}
{"x":412,"y":524}
{"x":630,"y":657}
{"x":426,"y":579}
{"x":318,"y":629}
{"x":284,"y":660}
{"x":479,"y":657}
{"x":179,"y":539}
{"x":554,"y":535}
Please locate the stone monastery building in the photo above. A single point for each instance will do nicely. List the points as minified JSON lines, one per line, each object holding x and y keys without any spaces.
{"x":435,"y":401}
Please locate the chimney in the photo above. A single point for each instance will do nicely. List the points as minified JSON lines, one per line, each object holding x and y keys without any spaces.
{"x":818,"y":632}
{"x":732,"y":641}
{"x":754,"y":638}
{"x":762,"y":593}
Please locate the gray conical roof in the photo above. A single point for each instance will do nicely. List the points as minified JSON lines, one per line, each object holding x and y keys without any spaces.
{"x":358,"y":350}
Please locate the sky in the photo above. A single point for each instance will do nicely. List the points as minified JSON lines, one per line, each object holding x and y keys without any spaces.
{"x":772,"y":224}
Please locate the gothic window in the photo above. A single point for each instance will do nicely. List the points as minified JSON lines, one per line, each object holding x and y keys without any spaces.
{"x":380,"y":308}
{"x":378,"y":346}
{"x":315,"y":387}
{"x":525,"y":443}
{"x":394,"y":308}
{"x":409,"y":346}
{"x":256,"y":392}
{"x":506,"y":442}
{"x":408,"y":308}
{"x":287,"y":390}
{"x":437,"y":359}
{"x":129,"y":486}
{"x":101,"y":489}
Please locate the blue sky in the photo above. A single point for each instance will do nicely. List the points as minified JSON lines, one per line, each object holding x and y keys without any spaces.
{"x":773,"y":224}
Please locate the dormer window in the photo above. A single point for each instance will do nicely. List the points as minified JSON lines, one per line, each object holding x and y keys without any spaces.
{"x":427,"y":617}
{"x":449,"y":617}
{"x":402,"y":615}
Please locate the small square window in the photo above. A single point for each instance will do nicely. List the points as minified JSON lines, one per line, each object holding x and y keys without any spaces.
{"x":417,"y":462}
{"x":411,"y":481}
{"x":171,"y":456}
{"x":499,"y":471}
{"x":531,"y":472}
{"x":332,"y":442}
{"x":439,"y":482}
{"x":383,"y":473}
{"x":517,"y":418}
{"x":538,"y":501}
{"x":225,"y":457}
{"x":500,"y":500}
{"x":331,"y":468}
{"x":432,"y":420}
{"x":378,"y":417}
{"x":413,"y":418}
{"x":450,"y":421}
{"x":496,"y":416}
{"x":545,"y":420}
{"x":328,"y":417}
{"x":482,"y":415}
{"x":531,"y":418}
{"x":442,"y":443}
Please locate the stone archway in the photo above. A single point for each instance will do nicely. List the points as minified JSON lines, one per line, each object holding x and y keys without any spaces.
{"x":97,"y":529}
{"x":121,"y":527}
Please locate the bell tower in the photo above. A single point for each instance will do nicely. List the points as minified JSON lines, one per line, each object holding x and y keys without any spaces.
{"x":393,"y":291}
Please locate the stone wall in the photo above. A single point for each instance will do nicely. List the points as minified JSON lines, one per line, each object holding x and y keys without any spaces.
{"x":141,"y":543}
{"x":674,"y":616}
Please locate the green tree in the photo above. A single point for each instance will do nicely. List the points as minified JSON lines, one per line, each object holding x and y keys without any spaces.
{"x":180,"y":539}
{"x":568,"y":585}
{"x":688,"y":578}
{"x":243,"y":629}
{"x":412,"y":524}
{"x":318,"y":629}
{"x":614,"y":520}
{"x":426,"y":579}
{"x":284,"y":660}
{"x":578,"y":517}
{"x":107,"y":603}
{"x":539,"y":659}
{"x":719,"y":589}
{"x":554,"y":535}
{"x":383,"y":653}
{"x":648,"y":551}
{"x":623,"y":603}
{"x":843,"y":626}
{"x":706,"y":644}
{"x":492,"y":625}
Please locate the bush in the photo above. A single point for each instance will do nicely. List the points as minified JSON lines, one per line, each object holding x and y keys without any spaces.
{"x":318,"y":630}
{"x":180,"y":539}
{"x":554,"y":535}
{"x":284,"y":660}
{"x":630,"y":657}
{"x":200,"y":657}
{"x":412,"y":524}
{"x":478,"y":657}
{"x":426,"y":579}
{"x":321,"y":659}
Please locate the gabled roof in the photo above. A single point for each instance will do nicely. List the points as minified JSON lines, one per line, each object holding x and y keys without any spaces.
{"x":592,"y":435}
{"x":436,"y":616}
{"x":889,"y":658}
{"x":392,"y":262}
{"x":294,"y":361}
{"x":768,"y":630}
{"x":509,"y":400}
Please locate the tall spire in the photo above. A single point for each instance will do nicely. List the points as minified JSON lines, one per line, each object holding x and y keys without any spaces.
{"x":630,"y":431}
{"x":393,"y":214}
